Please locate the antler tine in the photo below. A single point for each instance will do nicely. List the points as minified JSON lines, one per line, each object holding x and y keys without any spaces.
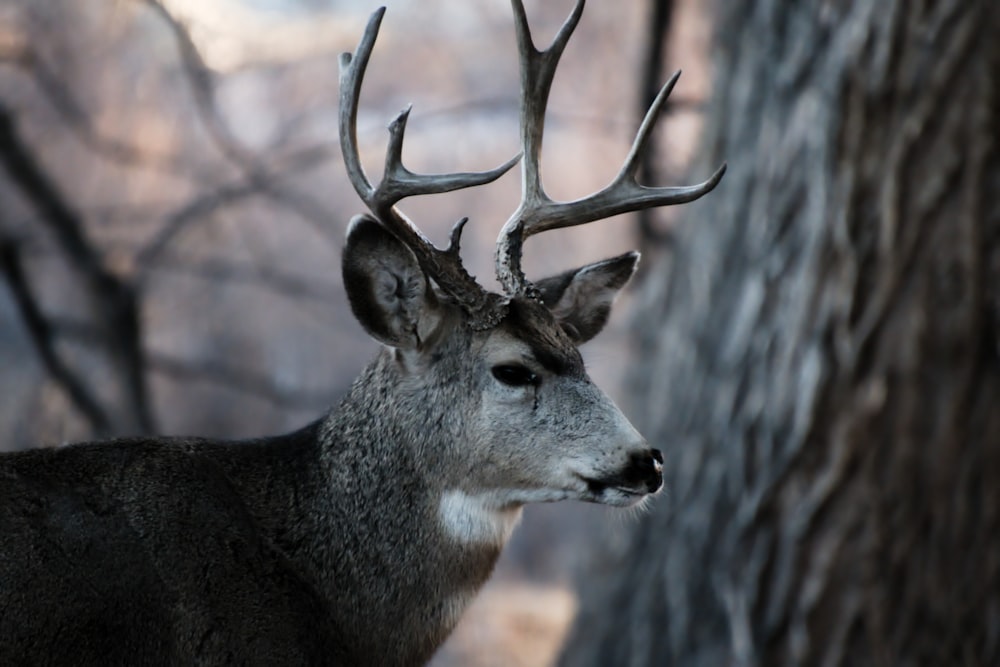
{"x":538,"y":212}
{"x":398,"y":182}
{"x":352,"y":72}
{"x":538,"y":68}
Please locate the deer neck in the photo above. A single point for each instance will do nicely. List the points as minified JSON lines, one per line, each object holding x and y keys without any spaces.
{"x":393,"y":545}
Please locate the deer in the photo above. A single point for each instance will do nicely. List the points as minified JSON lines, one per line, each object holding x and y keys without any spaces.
{"x":360,"y":538}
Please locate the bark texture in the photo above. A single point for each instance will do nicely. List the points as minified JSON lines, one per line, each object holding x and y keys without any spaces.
{"x":820,"y":357}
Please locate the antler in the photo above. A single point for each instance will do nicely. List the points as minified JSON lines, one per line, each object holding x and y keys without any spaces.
{"x":444,"y":266}
{"x":537,"y":211}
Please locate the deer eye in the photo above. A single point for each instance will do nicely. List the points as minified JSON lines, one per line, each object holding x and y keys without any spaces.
{"x":514,"y":375}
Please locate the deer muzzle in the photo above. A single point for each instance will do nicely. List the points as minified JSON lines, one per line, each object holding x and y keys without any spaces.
{"x":641,"y":476}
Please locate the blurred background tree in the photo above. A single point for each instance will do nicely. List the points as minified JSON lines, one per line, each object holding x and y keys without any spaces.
{"x":819,"y":357}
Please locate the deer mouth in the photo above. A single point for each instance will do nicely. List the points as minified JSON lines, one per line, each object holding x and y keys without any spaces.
{"x":612,"y":491}
{"x":614,"y":495}
{"x":597,"y":487}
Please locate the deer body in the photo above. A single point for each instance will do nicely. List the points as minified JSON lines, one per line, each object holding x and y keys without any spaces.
{"x":359,"y":539}
{"x":105,"y":563}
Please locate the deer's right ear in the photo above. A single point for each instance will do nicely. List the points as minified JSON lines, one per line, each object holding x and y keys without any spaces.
{"x":388,"y":291}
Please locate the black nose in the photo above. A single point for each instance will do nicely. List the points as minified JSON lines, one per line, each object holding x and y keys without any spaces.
{"x":646,"y":468}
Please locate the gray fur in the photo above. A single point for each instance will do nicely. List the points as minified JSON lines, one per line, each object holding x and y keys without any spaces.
{"x":331,"y":545}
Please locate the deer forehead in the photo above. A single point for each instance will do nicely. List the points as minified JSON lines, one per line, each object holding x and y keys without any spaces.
{"x":533,"y":325}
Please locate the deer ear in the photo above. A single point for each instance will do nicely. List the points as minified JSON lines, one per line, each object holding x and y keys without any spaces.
{"x":388,"y":291}
{"x":580,"y":299}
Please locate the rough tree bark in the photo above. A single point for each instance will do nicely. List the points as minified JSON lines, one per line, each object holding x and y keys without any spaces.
{"x":820,"y":357}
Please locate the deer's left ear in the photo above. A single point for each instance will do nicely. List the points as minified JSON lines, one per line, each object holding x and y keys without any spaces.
{"x":581,"y":298}
{"x":388,"y":291}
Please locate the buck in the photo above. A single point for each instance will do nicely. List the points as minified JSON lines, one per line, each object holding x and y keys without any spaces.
{"x":359,"y":539}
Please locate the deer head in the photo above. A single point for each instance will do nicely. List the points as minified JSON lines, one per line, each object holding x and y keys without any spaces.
{"x":533,"y":427}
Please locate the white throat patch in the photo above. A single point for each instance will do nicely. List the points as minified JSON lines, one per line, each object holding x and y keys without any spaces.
{"x":472,"y":520}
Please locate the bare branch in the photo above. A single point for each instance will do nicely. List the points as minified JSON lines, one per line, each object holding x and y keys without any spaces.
{"x":113,"y":299}
{"x":61,"y":219}
{"x":42,"y":336}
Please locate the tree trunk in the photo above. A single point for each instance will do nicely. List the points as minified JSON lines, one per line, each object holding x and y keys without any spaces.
{"x":820,"y":357}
